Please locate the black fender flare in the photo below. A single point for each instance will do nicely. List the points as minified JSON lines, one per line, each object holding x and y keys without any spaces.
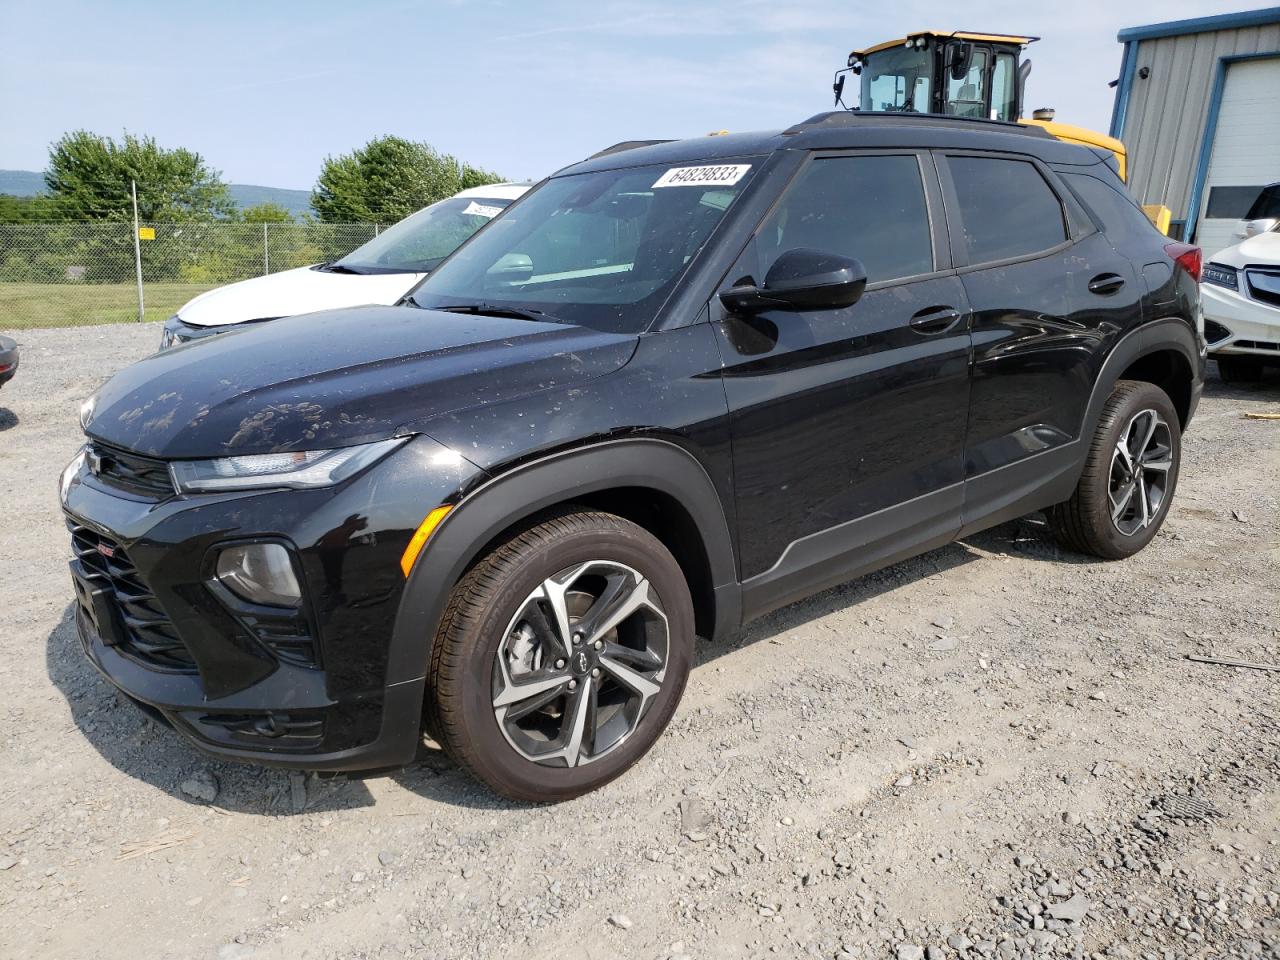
{"x":524,"y":490}
{"x":1171,"y":333}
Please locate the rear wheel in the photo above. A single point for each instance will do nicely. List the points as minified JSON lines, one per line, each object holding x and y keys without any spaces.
{"x":1129,"y":476}
{"x":561,"y":657}
{"x":1239,"y":369}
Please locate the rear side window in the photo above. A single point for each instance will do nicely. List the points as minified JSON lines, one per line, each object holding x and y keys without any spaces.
{"x":872,"y":208}
{"x":1122,"y":220}
{"x":1006,"y":208}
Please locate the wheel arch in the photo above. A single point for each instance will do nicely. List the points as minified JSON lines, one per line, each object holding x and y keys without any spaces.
{"x":657,"y":484}
{"x":1163,"y":352}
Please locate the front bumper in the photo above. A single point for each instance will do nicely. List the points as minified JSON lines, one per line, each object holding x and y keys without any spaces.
{"x":176,"y":331}
{"x":1236,"y":325}
{"x":222,"y":683}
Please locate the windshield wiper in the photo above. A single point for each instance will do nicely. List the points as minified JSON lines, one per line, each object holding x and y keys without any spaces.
{"x":341,"y":268}
{"x":493,"y":310}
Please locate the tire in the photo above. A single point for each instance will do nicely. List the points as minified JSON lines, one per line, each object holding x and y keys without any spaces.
{"x":1239,"y":369}
{"x":1088,"y":523}
{"x":501,"y":635}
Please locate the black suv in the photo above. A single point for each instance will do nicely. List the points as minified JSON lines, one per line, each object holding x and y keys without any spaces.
{"x":674,"y":387}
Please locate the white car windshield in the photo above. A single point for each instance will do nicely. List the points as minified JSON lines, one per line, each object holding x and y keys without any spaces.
{"x":420,"y":241}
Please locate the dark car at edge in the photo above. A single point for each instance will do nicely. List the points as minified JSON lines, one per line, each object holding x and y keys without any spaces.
{"x":674,"y":387}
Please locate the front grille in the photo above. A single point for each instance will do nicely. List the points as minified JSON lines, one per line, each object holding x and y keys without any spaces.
{"x":130,"y":472}
{"x":146,"y":634}
{"x":1264,"y":285}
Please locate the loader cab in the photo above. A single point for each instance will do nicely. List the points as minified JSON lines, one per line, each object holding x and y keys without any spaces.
{"x":955,"y":74}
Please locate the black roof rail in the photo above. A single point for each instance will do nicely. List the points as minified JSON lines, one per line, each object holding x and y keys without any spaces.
{"x":626,"y":145}
{"x":850,"y":118}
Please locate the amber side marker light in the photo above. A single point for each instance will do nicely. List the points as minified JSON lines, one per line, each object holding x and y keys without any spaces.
{"x":420,"y":537}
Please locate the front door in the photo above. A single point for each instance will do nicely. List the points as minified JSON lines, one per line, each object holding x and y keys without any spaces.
{"x":848,"y":424}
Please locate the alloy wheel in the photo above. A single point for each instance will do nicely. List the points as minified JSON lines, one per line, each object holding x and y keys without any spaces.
{"x":580,"y":664}
{"x":1140,"y":468}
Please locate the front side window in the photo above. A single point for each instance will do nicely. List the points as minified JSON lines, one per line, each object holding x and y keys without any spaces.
{"x":897,"y":79}
{"x":602,"y":249}
{"x":420,"y":241}
{"x":871,"y":208}
{"x":1006,"y":208}
{"x":967,"y":97}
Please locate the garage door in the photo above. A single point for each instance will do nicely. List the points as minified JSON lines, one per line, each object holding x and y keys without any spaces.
{"x":1246,"y":150}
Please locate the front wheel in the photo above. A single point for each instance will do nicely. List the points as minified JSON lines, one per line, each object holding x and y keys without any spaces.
{"x":1129,"y":475}
{"x":561,"y":657}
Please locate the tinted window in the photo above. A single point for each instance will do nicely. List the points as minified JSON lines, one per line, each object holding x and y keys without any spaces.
{"x":1122,"y":219}
{"x":1006,"y":208}
{"x":1004,"y":102}
{"x":1267,"y":204}
{"x":871,"y":208}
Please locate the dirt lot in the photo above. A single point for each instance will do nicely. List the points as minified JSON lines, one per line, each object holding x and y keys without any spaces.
{"x":998,"y":749}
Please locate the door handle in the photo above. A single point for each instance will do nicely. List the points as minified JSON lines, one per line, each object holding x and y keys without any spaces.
{"x":933,"y":320}
{"x":1105,"y":284}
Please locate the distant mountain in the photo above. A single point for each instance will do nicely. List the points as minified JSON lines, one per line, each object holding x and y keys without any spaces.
{"x":28,"y":183}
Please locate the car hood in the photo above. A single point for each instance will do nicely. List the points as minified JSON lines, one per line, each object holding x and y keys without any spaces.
{"x":290,"y":292}
{"x":1262,"y":249}
{"x":338,"y":378}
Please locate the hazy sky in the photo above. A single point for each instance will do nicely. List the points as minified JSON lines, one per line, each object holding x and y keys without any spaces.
{"x":265,"y":90}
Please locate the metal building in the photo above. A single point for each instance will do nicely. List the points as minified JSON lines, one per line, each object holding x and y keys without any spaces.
{"x":1198,"y":108}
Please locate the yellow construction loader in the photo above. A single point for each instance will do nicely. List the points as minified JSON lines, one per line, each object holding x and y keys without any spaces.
{"x":959,"y":74}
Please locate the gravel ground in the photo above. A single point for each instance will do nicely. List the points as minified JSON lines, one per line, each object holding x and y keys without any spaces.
{"x":995,"y":750}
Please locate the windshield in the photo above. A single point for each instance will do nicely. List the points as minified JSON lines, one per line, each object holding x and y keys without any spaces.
{"x":420,"y":241}
{"x":603,"y":250}
{"x":897,"y":79}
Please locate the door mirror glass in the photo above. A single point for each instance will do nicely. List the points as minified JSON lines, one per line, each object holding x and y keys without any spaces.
{"x":801,"y":279}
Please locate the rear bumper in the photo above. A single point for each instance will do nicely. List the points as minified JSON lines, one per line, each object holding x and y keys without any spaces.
{"x":1251,"y":328}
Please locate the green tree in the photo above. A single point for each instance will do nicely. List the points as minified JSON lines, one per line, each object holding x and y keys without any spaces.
{"x":388,"y":179}
{"x":89,"y":178}
{"x":266,"y":212}
{"x":27,"y":209}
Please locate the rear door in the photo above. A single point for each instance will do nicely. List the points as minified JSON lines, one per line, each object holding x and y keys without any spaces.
{"x":840,"y":417}
{"x":1048,"y":294}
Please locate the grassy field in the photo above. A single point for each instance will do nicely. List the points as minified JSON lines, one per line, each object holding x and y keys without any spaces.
{"x":27,"y":305}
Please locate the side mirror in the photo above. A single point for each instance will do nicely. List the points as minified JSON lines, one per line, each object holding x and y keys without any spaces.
{"x":801,"y":279}
{"x":961,"y":58}
{"x":1254,"y":227}
{"x":838,"y":87}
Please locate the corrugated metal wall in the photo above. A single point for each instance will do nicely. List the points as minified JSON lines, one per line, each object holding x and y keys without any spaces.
{"x":1165,"y":118}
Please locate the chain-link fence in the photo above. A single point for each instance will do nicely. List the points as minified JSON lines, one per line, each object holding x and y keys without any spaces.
{"x":68,"y":274}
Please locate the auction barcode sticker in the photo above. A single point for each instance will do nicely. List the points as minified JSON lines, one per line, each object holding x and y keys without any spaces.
{"x":723,"y":175}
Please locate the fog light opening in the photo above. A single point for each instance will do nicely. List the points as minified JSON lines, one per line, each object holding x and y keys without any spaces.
{"x":260,"y":573}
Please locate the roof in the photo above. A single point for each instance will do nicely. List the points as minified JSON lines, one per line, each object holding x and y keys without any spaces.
{"x":1223,"y":21}
{"x":843,"y":129}
{"x":499,"y":191}
{"x":950,"y":35}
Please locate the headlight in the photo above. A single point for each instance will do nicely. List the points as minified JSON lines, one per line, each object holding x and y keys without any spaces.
{"x":68,"y":474}
{"x":260,"y":573}
{"x":1221,"y":276}
{"x":297,"y":471}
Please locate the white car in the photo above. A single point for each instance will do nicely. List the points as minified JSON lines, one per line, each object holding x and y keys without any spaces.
{"x":379,"y":272}
{"x":1240,"y":294}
